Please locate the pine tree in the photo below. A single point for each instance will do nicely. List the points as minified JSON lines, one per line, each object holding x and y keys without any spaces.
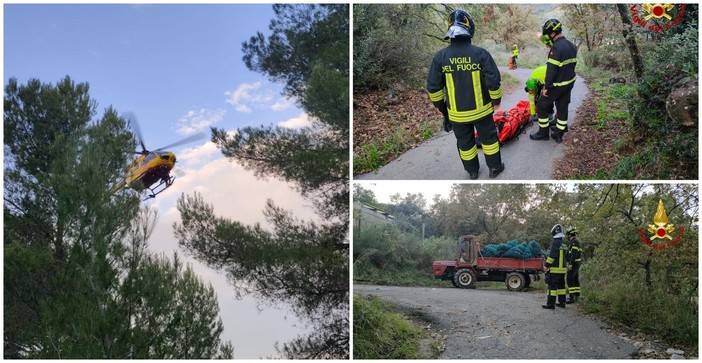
{"x":79,"y":281}
{"x":304,"y":264}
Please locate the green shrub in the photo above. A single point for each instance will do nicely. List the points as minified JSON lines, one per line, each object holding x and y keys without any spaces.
{"x":671,"y":317}
{"x":389,"y":45}
{"x":384,"y":254}
{"x":608,"y":57}
{"x":380,"y":333}
{"x":370,"y":157}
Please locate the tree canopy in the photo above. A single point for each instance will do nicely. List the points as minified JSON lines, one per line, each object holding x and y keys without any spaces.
{"x":300,"y":263}
{"x":79,"y":280}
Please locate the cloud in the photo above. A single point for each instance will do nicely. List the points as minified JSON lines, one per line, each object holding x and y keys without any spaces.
{"x":303,"y":120}
{"x":198,"y":155}
{"x":249,"y":95}
{"x":197,"y":120}
{"x":283,"y":103}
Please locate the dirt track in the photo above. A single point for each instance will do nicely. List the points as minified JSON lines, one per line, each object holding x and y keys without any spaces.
{"x":498,"y":324}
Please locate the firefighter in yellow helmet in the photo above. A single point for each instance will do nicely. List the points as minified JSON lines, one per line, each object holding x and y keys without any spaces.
{"x":558,"y":82}
{"x":556,"y":269}
{"x":515,"y":54}
{"x":464,"y":84}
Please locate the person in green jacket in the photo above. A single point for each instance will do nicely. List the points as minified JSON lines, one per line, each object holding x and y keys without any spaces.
{"x":534,"y":85}
{"x":515,"y":54}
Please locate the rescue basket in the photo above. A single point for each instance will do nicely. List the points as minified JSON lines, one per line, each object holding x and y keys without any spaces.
{"x":511,"y":123}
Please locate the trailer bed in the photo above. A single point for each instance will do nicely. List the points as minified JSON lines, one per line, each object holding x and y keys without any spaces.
{"x":511,"y":264}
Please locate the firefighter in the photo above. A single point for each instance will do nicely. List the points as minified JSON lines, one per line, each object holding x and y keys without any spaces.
{"x":555,"y":269}
{"x":473,"y":91}
{"x":515,"y":54}
{"x":575,"y":255}
{"x":558,"y":82}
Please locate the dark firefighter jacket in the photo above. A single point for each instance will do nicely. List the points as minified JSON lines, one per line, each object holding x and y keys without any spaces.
{"x":556,"y":260}
{"x":575,"y":252}
{"x":560,"y":67}
{"x":471,"y":79}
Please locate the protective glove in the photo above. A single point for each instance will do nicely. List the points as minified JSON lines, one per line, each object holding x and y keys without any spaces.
{"x":447,"y":123}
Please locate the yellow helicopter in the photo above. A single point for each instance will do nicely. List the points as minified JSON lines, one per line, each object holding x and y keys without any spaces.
{"x":151,"y":167}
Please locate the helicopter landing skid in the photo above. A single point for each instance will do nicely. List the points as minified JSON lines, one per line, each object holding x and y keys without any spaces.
{"x":165,"y":182}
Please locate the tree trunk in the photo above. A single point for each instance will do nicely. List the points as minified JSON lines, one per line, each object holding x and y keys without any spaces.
{"x":629,"y":36}
{"x":587,"y":41}
{"x":647,"y":269}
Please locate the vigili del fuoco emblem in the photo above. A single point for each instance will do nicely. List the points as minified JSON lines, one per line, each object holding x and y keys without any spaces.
{"x":661,"y":230}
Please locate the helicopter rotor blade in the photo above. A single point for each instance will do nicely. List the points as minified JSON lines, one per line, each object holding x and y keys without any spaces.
{"x":186,"y":140}
{"x":134,"y":124}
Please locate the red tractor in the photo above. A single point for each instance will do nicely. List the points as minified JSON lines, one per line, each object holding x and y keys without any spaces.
{"x":470,"y":267}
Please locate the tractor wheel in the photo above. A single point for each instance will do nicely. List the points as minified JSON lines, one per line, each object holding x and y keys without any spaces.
{"x":515,"y":281}
{"x":465,"y":279}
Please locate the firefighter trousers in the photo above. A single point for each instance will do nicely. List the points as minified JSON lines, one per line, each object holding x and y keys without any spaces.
{"x":467,"y":148}
{"x":556,"y":288}
{"x":544,"y":106}
{"x":573,"y":280}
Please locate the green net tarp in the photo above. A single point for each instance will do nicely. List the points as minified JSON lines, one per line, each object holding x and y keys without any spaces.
{"x":513,"y":249}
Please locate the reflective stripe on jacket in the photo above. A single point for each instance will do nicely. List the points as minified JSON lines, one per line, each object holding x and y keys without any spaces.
{"x":467,"y":77}
{"x":560,"y":67}
{"x":575,"y":252}
{"x":556,"y":260}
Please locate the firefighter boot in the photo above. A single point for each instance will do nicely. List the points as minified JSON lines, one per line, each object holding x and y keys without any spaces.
{"x":494,"y":172}
{"x":561,"y":301}
{"x":542,"y":134}
{"x":572,"y":299}
{"x":557,"y":135}
{"x":473,"y":175}
{"x":472,"y":166}
{"x":550,"y":302}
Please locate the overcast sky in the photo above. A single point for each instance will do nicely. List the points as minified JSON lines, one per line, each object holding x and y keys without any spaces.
{"x":383,"y":189}
{"x":178,"y":68}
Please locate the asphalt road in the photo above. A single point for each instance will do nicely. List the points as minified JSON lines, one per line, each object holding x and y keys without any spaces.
{"x":525,"y":159}
{"x":495,"y":324}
